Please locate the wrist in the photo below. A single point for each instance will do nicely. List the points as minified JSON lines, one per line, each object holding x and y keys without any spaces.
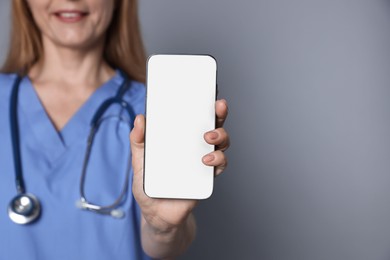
{"x":162,"y":230}
{"x":178,"y":237}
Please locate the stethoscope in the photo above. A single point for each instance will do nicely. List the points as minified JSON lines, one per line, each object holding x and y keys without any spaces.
{"x":25,"y":207}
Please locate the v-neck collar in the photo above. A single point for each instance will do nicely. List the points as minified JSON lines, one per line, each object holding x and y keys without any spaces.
{"x":53,"y":142}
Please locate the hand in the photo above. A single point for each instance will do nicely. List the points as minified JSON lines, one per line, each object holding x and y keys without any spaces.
{"x":164,"y":215}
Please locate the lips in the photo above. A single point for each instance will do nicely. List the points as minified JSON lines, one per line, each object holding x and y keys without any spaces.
{"x":70,"y":16}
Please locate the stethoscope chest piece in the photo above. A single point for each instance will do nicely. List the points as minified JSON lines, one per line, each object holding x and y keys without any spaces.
{"x":24,"y":208}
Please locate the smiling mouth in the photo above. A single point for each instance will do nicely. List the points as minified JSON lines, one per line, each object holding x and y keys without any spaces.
{"x":70,"y":16}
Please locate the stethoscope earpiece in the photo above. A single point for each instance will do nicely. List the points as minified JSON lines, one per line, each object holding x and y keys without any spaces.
{"x":24,"y":209}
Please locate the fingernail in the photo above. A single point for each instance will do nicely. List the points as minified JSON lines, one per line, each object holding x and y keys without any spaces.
{"x":213,"y":135}
{"x":208,"y":158}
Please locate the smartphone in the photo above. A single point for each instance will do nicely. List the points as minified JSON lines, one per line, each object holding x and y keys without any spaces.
{"x":180,"y":109}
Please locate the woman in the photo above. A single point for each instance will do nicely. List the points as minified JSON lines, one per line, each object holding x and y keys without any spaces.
{"x":69,"y":54}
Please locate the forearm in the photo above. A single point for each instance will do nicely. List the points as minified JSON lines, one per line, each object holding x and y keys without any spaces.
{"x":169,"y":243}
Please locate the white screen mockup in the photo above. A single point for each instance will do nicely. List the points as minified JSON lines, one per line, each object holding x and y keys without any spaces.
{"x":180,"y":109}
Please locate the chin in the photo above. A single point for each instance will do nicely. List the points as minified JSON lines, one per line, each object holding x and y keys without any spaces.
{"x":77,"y":44}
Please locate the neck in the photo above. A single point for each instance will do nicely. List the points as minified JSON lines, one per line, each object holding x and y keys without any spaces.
{"x":66,"y":77}
{"x":71,"y":67}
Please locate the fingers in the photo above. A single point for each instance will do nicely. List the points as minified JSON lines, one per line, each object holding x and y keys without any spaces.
{"x":221,"y":110}
{"x":216,"y":159}
{"x":219,"y":138}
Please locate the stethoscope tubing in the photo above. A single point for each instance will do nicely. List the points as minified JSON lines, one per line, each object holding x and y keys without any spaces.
{"x":19,"y":180}
{"x":16,"y":214}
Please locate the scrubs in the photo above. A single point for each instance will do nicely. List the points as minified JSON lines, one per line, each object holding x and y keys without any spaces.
{"x":52,"y":163}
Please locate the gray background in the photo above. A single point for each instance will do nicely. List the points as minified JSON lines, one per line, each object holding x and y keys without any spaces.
{"x":308,"y":86}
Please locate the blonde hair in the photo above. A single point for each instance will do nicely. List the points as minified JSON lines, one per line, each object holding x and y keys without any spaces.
{"x":123,"y":48}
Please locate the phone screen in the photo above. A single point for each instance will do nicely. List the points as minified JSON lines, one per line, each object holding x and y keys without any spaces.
{"x":180,"y":109}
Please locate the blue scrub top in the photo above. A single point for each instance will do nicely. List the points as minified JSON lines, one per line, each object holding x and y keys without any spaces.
{"x":52,"y":163}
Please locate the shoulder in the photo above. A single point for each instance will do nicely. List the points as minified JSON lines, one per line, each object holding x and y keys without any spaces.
{"x":136,"y":96}
{"x":6,"y":82}
{"x":137,"y":90}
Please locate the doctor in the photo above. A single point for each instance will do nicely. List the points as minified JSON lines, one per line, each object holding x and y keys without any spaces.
{"x":66,"y":58}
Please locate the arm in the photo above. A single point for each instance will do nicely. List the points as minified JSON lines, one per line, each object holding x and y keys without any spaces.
{"x":168,"y":225}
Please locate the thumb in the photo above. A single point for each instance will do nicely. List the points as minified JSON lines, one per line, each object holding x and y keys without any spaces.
{"x":137,"y":135}
{"x":137,"y":138}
